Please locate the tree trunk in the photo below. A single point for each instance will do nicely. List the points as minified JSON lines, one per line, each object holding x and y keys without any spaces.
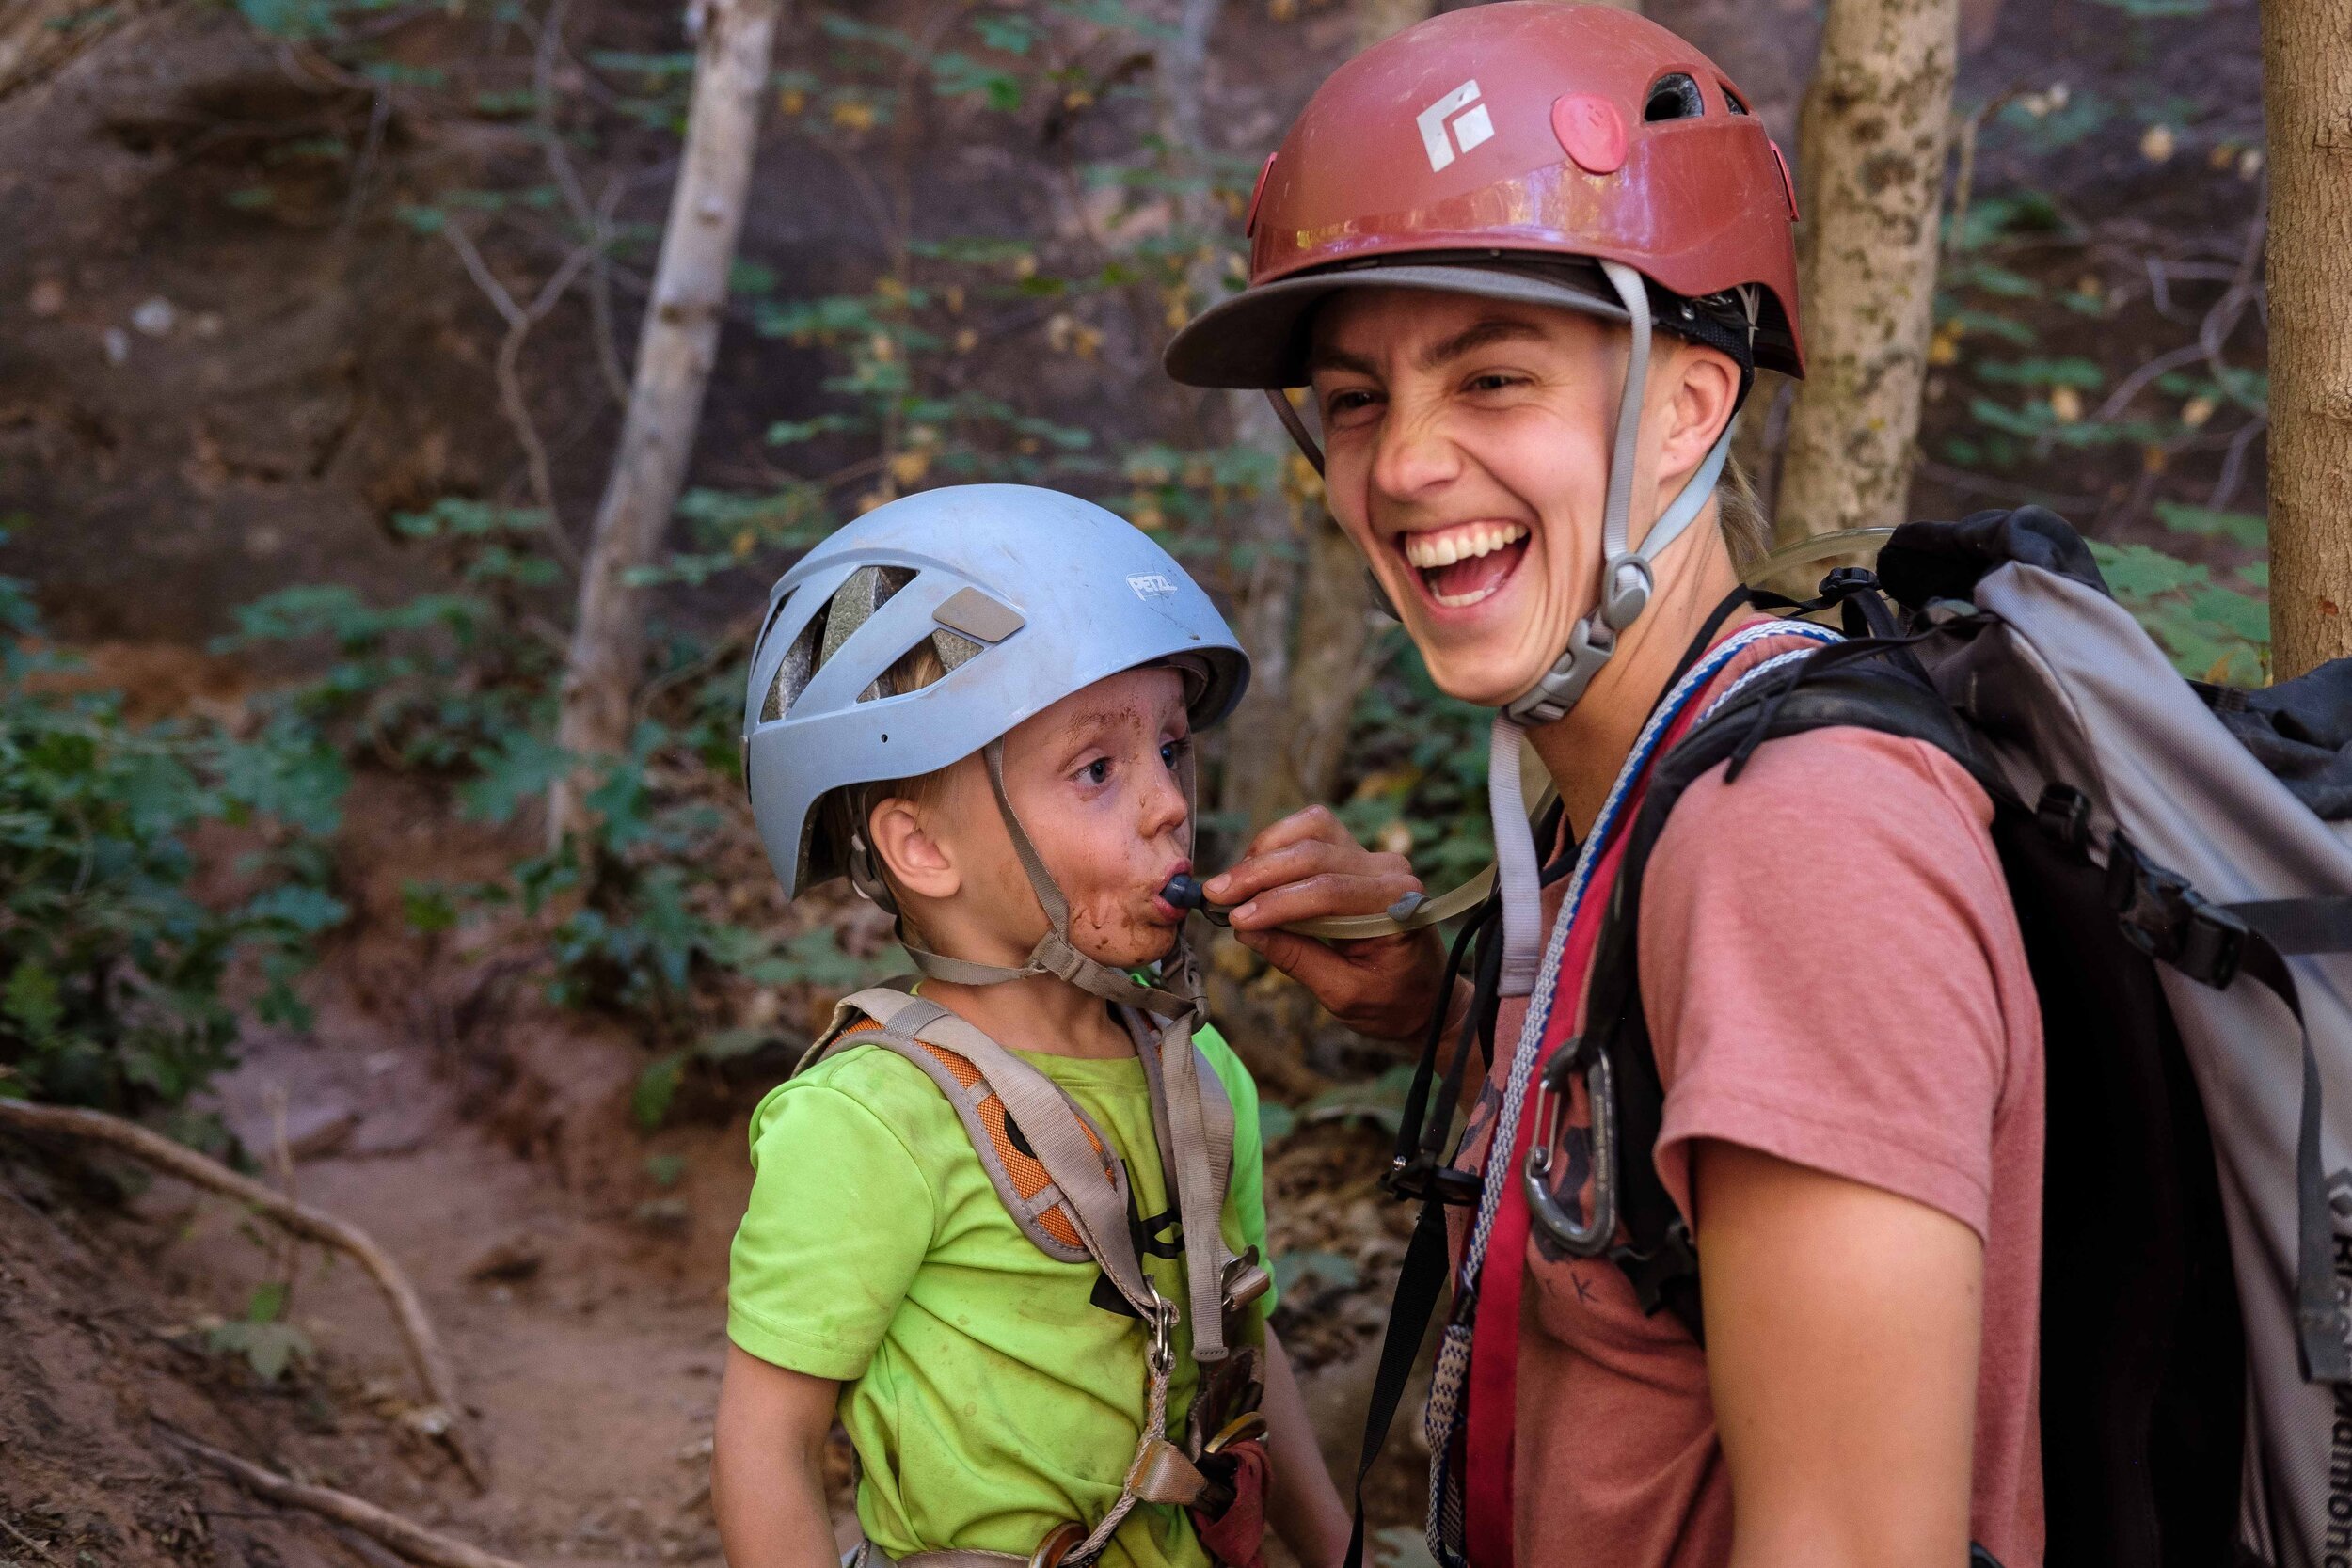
{"x":2307,"y":102}
{"x":1336,"y":625}
{"x":1266,"y":531}
{"x":674,"y":360}
{"x":1871,"y":140}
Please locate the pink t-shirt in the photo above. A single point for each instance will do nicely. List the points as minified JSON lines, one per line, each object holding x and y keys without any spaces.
{"x":1832,"y":974}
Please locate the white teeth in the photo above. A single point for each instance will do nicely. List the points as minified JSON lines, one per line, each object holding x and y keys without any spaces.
{"x":1445,"y":546}
{"x":1455,"y":601}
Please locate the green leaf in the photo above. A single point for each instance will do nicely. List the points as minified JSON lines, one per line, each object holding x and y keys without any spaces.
{"x":2071,"y":371}
{"x":307,"y":910}
{"x":2249,"y":529}
{"x":657,"y":1085}
{"x":1336,"y":1269}
{"x":516,"y":768}
{"x":269,"y":1348}
{"x":428,"y":908}
{"x":31,"y":998}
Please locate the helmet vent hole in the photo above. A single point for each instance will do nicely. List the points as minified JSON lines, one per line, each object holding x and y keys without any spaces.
{"x":793,"y":675}
{"x":926,"y":662}
{"x":1732,"y":101}
{"x":1675,"y":96}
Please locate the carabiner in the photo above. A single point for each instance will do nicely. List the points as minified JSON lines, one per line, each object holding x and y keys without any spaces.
{"x":1162,"y":1325}
{"x":1591,"y":1237}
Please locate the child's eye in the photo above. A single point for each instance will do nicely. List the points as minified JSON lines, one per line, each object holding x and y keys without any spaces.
{"x":1098,"y":771}
{"x":1171,"y":752}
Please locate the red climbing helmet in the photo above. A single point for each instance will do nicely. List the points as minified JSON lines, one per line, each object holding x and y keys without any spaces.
{"x":1463,"y":148}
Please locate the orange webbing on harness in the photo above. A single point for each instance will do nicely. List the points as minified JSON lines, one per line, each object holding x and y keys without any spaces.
{"x":1022,"y":1168}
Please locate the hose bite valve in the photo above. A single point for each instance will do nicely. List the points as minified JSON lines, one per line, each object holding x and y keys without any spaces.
{"x":1184,"y":892}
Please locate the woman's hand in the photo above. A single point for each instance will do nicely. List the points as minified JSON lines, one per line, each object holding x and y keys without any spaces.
{"x":1307,"y":866}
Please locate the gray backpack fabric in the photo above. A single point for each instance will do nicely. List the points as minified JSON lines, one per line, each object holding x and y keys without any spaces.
{"x":2180,"y":862}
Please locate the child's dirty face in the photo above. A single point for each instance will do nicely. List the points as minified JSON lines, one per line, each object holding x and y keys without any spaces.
{"x":1095,"y":781}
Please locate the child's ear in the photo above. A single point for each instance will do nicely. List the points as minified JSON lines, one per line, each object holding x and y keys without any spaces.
{"x":903,"y":843}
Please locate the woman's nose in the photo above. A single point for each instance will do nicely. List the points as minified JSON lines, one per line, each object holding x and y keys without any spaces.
{"x":1414,"y":455}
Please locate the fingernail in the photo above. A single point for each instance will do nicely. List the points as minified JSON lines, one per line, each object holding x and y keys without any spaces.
{"x":1245,"y":912}
{"x":1214,"y":886}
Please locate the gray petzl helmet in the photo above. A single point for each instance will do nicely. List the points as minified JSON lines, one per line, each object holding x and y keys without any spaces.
{"x":1024,"y":594}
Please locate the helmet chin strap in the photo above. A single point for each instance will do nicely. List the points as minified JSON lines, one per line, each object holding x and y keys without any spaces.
{"x":1627,"y":580}
{"x":1054,"y":954}
{"x":1198,"y":1190}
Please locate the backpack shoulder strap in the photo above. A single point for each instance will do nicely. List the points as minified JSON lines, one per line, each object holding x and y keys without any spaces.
{"x":1880,"y":689}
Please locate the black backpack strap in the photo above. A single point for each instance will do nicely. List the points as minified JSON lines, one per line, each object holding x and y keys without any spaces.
{"x":1870,"y":684}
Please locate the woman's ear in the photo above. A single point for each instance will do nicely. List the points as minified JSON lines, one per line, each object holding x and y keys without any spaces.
{"x":912,"y":857}
{"x":1703,"y":394}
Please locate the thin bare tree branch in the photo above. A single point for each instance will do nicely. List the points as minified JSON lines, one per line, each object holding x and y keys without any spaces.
{"x":411,"y":1541}
{"x":444,"y":1415}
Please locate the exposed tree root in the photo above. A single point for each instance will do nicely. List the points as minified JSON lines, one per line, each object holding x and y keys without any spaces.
{"x":443,"y":1417}
{"x":411,"y":1541}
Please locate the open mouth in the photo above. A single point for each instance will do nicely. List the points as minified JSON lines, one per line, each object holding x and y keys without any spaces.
{"x":1467,"y":562}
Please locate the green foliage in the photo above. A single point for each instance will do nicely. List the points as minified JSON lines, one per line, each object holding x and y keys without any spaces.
{"x":1423,"y":757}
{"x":1334,"y":1270}
{"x":114,"y":969}
{"x":1379,"y":1100}
{"x":307,"y":18}
{"x":2213,"y":633}
{"x":268,"y":1343}
{"x":2248,"y":530}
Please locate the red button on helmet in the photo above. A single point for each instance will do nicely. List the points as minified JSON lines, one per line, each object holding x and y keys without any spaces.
{"x":1462,"y":148}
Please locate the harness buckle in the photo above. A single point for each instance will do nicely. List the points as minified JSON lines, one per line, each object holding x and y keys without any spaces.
{"x":1245,"y":1281}
{"x":1423,"y":1176}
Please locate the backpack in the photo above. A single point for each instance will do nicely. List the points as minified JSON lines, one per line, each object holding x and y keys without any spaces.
{"x":2180,"y":867}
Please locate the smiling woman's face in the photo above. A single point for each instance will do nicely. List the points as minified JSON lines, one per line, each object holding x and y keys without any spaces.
{"x":1468,"y":445}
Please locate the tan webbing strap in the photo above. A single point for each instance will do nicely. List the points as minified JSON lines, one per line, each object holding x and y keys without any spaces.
{"x":1179,"y":1077}
{"x":1053,"y":1132}
{"x":871,"y":1556}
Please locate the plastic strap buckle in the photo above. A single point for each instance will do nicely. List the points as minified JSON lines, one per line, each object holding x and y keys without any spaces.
{"x":1422,"y":1177}
{"x":2168,"y":919}
{"x":1649,"y":1273}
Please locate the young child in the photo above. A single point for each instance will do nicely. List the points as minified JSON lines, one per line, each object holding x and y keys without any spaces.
{"x":1008,"y":1229}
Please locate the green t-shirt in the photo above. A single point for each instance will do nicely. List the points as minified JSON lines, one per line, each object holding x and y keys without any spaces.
{"x":990,"y":1398}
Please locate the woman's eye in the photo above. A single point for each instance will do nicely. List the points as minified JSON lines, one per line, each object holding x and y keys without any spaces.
{"x":1493,"y":381}
{"x":1350,"y":399}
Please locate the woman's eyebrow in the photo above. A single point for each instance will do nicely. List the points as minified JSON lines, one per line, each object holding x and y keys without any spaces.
{"x":1324,"y":357}
{"x":1484,"y":334}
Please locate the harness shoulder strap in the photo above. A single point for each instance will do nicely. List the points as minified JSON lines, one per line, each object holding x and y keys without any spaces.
{"x":1047,"y":1159}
